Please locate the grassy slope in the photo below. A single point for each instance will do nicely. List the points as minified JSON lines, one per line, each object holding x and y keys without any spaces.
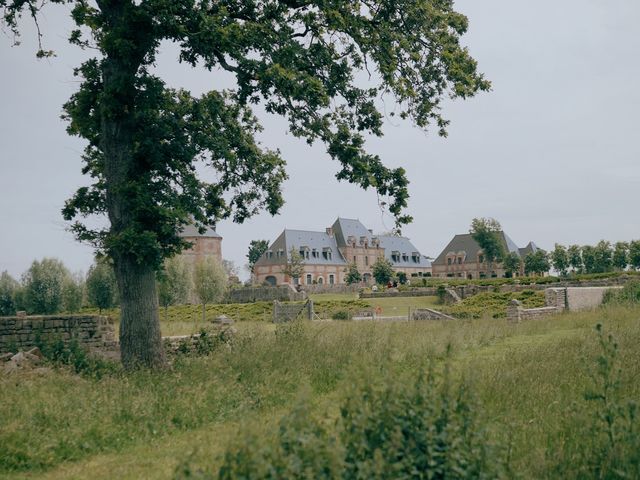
{"x":525,"y":375}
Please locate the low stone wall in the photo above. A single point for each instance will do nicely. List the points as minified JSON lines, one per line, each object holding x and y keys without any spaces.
{"x":20,"y":333}
{"x":317,"y":289}
{"x":429,"y":314}
{"x":558,"y":300}
{"x":585,"y":298}
{"x":516,"y":313}
{"x":423,"y":292}
{"x":281,"y":293}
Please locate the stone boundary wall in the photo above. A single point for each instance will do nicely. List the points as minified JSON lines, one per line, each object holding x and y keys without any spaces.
{"x":19,"y":333}
{"x":423,"y":292}
{"x":558,"y":300}
{"x":429,"y":314}
{"x":281,"y":293}
{"x":317,"y":289}
{"x":585,"y":298}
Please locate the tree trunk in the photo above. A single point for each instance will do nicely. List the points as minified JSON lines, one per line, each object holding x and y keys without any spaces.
{"x":140,"y":338}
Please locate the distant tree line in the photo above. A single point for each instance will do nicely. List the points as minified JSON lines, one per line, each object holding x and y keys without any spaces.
{"x":48,"y":287}
{"x":603,"y":257}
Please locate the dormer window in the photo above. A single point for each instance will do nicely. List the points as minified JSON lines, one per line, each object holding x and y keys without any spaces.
{"x":405,"y":257}
{"x":304,"y":252}
{"x":326,"y":253}
{"x":269,"y":254}
{"x":395,"y":256}
{"x":415,"y":256}
{"x":314,"y":253}
{"x":279,"y":253}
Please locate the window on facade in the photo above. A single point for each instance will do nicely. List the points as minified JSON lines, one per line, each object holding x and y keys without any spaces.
{"x":320,"y":280}
{"x":481,"y":258}
{"x":354,"y":259}
{"x":459,"y":260}
{"x":449,"y":261}
{"x":366,"y":260}
{"x":331,"y":279}
{"x":309,"y":279}
{"x":269,"y":254}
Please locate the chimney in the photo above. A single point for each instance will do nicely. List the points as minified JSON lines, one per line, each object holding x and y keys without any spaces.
{"x":330,"y":231}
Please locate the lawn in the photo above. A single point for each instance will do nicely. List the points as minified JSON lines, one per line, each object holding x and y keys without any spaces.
{"x":529,"y":381}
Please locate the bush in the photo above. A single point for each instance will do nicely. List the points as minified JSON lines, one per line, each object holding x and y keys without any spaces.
{"x":72,"y":355}
{"x":494,"y":304}
{"x":341,"y":315}
{"x":603,"y":433}
{"x":629,"y":294}
{"x":409,"y":428}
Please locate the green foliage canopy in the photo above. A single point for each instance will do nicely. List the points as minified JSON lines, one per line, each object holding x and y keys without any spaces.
{"x":174,"y":282}
{"x":209,"y":280}
{"x":536,"y":263}
{"x":560,"y":259}
{"x":256,"y":249}
{"x":511,"y":264}
{"x":353,"y":275}
{"x":43,"y":286}
{"x":8,"y":288}
{"x":300,"y":58}
{"x":382,"y":270}
{"x":101,"y":285}
{"x":294,"y":268}
{"x":486,"y":231}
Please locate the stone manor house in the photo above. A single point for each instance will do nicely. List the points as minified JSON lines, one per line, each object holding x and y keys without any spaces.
{"x":204,"y":244}
{"x":463,"y":258}
{"x":326,"y":255}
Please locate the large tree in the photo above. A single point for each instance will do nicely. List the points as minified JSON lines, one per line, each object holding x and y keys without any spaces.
{"x":560,"y":259}
{"x":256,"y":249}
{"x":300,"y":58}
{"x":487,"y":232}
{"x":174,"y":283}
{"x":536,"y":263}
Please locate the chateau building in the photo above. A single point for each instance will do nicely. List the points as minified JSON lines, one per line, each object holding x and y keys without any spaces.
{"x":205,"y":244}
{"x":326,"y":255}
{"x":463,"y":258}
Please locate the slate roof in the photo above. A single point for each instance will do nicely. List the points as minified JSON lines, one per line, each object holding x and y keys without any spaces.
{"x":289,"y":239}
{"x":464,"y":242}
{"x":402,"y":245}
{"x":343,"y":228}
{"x":191,"y":231}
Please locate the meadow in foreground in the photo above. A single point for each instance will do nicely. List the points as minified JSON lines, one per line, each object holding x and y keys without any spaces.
{"x":526,"y":385}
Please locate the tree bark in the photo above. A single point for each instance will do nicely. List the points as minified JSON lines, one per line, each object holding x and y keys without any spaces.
{"x":140,"y":337}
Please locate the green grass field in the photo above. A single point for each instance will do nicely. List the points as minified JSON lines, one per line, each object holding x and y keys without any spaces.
{"x":529,"y":381}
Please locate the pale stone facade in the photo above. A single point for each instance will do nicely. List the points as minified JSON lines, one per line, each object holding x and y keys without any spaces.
{"x":207,"y":244}
{"x":327,"y":255}
{"x":463,"y":258}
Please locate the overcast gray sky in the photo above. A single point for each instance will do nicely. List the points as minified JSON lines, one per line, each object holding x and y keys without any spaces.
{"x":552,"y":152}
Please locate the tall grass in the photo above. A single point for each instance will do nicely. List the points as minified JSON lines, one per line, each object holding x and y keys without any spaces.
{"x":529,"y":380}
